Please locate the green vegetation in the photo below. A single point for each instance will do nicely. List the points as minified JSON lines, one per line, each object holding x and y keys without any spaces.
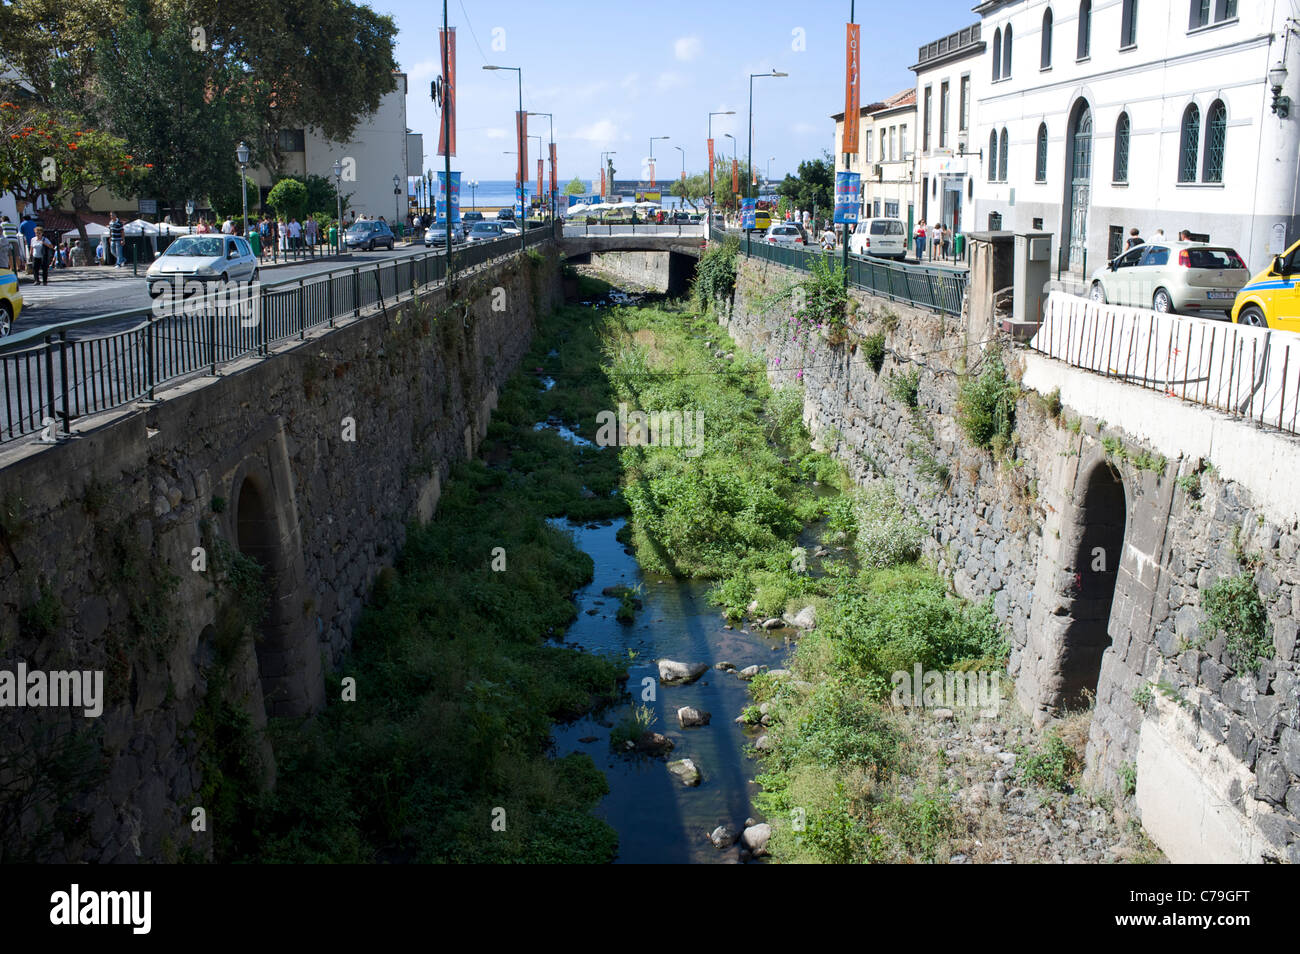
{"x":905,"y":387}
{"x":1233,"y":608}
{"x":825,"y":295}
{"x":986,"y":406}
{"x":715,"y":274}
{"x":1053,"y":765}
{"x":873,"y":350}
{"x":1128,"y":779}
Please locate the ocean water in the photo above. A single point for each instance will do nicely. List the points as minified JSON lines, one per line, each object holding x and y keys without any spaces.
{"x":495,"y":193}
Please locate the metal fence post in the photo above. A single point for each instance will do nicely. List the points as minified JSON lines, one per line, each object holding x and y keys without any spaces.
{"x":302,"y":309}
{"x":63,"y":381}
{"x":49,"y":376}
{"x":212,"y":334}
{"x":148,"y":358}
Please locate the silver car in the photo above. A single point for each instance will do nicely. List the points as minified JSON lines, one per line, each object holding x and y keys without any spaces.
{"x":204,"y":258}
{"x":1172,"y":277}
{"x":787,"y":233}
{"x":436,"y":234}
{"x":483,"y":232}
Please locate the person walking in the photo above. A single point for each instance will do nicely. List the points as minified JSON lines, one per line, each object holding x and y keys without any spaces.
{"x":12,"y":241}
{"x":116,"y":235}
{"x":228,"y":227}
{"x":42,"y":254}
{"x":1134,"y":239}
{"x":295,"y":233}
{"x":312,"y":230}
{"x":919,"y":238}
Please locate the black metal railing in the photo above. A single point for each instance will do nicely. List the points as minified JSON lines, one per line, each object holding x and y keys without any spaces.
{"x":57,"y":374}
{"x":925,"y":286}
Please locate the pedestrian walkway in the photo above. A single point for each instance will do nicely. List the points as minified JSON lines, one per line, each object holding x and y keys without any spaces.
{"x":34,"y":294}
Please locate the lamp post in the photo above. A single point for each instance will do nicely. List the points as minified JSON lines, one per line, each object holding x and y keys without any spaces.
{"x":683,"y":152}
{"x":749,"y":160}
{"x":768,"y":177}
{"x":397,"y":191}
{"x":735,"y":151}
{"x":338,"y":194}
{"x":1281,"y":104}
{"x":652,"y":154}
{"x":473,"y":193}
{"x":241,"y":153}
{"x":728,"y":112}
{"x":550,"y":125}
{"x":521,"y":174}
{"x":189,"y":210}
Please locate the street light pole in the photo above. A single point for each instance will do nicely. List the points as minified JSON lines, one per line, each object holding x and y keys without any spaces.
{"x":519,"y":164}
{"x":241,"y":153}
{"x":729,"y":112}
{"x":550,"y":123}
{"x":338,"y":194}
{"x":473,"y":194}
{"x":844,"y":253}
{"x":446,"y":139}
{"x":683,"y":152}
{"x":749,"y":161}
{"x":652,"y":154}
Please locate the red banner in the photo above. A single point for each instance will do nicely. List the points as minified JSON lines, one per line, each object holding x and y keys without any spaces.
{"x":652,"y":173}
{"x":710,"y":169}
{"x":602,"y":182}
{"x":735,"y":176}
{"x":852,"y":64}
{"x":540,"y":193}
{"x":521,"y":128}
{"x":554,"y":190}
{"x":447,"y":128}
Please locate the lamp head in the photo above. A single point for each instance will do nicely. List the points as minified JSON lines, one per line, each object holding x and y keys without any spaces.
{"x":338,"y":168}
{"x":1276,"y":77}
{"x":241,"y":153}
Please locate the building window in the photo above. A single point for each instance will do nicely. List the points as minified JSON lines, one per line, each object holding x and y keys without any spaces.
{"x":1119,"y":171}
{"x":1006,"y":53}
{"x":965,"y":103}
{"x":1190,"y":141}
{"x":1040,"y":167}
{"x":891,"y":210}
{"x":1216,"y":134}
{"x":884,"y":152}
{"x":1085,"y":29}
{"x":1037,"y":225}
{"x":893,"y":143}
{"x":993,"y":156}
{"x":1045,"y":57}
{"x":943,"y":114}
{"x":1206,"y":12}
{"x":875,"y":209}
{"x":902,"y":141}
{"x":1002,"y":156}
{"x":292,"y":140}
{"x":925,"y":122}
{"x":866,"y":147}
{"x":1128,"y":24}
{"x":997,"y":54}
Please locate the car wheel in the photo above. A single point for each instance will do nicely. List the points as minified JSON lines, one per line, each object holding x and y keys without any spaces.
{"x":1097,"y":294}
{"x":371,"y":246}
{"x":6,"y":318}
{"x":1250,"y":315}
{"x":256,"y":274}
{"x":1162,"y":302}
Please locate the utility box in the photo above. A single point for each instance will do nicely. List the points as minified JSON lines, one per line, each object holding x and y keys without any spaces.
{"x":1032,"y":273}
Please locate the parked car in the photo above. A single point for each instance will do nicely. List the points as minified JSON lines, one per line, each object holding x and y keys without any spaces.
{"x":470,"y":217}
{"x":880,"y":237}
{"x":1172,"y":277}
{"x":436,"y":234}
{"x":505,"y":214}
{"x":484,"y":232}
{"x":787,"y":233}
{"x":205,"y":258}
{"x":679,"y":217}
{"x":1271,"y":299}
{"x":11,"y":300}
{"x":370,"y":235}
{"x":509,"y":227}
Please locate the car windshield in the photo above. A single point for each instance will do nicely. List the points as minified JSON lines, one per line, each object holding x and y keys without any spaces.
{"x":482,"y":227}
{"x":193,"y":246}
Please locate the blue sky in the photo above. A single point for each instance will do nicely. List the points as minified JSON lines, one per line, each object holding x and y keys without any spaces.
{"x":615,"y":73}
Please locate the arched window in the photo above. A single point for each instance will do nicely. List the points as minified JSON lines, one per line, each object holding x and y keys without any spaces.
{"x":1040,"y":167}
{"x":1002,"y":156}
{"x":1085,"y":29}
{"x":993,"y":156}
{"x":1045,"y":57}
{"x":997,"y":54}
{"x":1119,"y":171}
{"x":1191,"y":139}
{"x":1006,"y":53}
{"x":1216,"y":133}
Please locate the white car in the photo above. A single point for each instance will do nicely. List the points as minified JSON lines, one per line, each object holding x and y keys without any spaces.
{"x":1189,"y":277}
{"x":787,"y":233}
{"x":203,"y":258}
{"x":882,"y":238}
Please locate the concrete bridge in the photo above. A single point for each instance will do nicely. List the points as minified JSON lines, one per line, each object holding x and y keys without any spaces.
{"x":661,"y":257}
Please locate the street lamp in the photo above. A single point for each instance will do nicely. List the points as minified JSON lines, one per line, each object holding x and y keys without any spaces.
{"x":727,"y":112}
{"x":749,"y":161}
{"x":652,"y":154}
{"x":1281,"y":104}
{"x":241,"y":153}
{"x":683,"y":152}
{"x":189,"y":210}
{"x":338,"y":194}
{"x":550,"y":125}
{"x":473,"y":193}
{"x":768,"y":177}
{"x":523,"y":237}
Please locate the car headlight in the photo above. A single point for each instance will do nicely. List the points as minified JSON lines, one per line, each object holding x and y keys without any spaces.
{"x":205,"y":270}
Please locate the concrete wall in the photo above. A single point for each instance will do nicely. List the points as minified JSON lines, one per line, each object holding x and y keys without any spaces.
{"x":1096,"y":565}
{"x":105,"y":526}
{"x":668,"y":272}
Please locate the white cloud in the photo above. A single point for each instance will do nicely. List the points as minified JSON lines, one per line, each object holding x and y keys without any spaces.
{"x":687,"y":48}
{"x":495,"y":133}
{"x":600,"y":131}
{"x":425,"y":69}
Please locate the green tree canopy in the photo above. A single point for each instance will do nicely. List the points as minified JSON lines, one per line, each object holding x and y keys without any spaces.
{"x":289,"y":198}
{"x":814,"y":186}
{"x":575,"y":187}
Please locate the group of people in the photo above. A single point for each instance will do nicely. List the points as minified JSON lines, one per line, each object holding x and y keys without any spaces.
{"x":935,"y":239}
{"x":1135,"y":237}
{"x":27,"y":246}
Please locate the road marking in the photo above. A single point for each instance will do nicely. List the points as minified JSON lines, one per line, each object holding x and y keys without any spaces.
{"x":38,"y":294}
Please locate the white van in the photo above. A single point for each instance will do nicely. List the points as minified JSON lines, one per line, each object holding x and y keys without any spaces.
{"x":883,"y":238}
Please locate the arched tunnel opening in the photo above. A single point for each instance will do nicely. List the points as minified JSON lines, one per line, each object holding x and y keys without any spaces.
{"x":256,"y":538}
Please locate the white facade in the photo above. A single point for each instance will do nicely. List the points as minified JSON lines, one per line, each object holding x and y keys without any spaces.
{"x":884,"y":157}
{"x":947,"y":74}
{"x":1183,"y":81}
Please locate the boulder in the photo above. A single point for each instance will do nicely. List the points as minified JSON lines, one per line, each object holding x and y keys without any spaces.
{"x":755,"y":839}
{"x":672,"y":671}
{"x":724,"y":666}
{"x":773,"y":622}
{"x":762,"y":743}
{"x":685,"y":770}
{"x":806,"y":618}
{"x":689,"y":716}
{"x":749,"y":672}
{"x":722,"y":837}
{"x":654,"y":743}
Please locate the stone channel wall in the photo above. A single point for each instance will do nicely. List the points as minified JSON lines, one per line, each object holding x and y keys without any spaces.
{"x":312,"y":461}
{"x":1080,"y":507}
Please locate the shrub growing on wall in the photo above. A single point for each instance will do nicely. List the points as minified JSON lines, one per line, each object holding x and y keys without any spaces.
{"x":1234,"y":608}
{"x":715,"y":275}
{"x":986,"y":406}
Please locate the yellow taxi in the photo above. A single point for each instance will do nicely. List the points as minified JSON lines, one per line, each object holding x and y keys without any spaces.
{"x":762,"y":220}
{"x":1271,"y":299}
{"x":11,"y":300}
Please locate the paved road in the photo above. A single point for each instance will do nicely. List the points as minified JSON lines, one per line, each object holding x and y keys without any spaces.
{"x":100,"y":290}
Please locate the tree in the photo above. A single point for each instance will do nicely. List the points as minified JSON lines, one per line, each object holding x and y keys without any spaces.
{"x":575,"y":187}
{"x":814,"y":187}
{"x":723,"y":196}
{"x":226,"y":199}
{"x":289,"y":198}
{"x":693,"y":189}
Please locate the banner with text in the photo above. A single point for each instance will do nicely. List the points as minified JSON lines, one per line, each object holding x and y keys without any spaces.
{"x":747,"y":210}
{"x":554,"y":190}
{"x":735,"y":175}
{"x":847,"y":187}
{"x":453,"y":192}
{"x":521,"y":130}
{"x":852,"y":95}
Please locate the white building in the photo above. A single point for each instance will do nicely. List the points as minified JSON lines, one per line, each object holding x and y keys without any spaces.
{"x":946,"y":76}
{"x":1095,"y":118}
{"x":884,"y":156}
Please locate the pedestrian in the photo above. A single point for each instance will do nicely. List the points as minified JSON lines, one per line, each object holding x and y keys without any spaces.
{"x":12,"y":240}
{"x":202,"y":227}
{"x":116,"y":235}
{"x":42,"y":254}
{"x":945,"y":240}
{"x":828,"y":239}
{"x":228,"y":227}
{"x":1159,"y":236}
{"x":27,"y":229}
{"x":1185,"y":235}
{"x":295,"y":233}
{"x":312,"y":230}
{"x":282,"y":230}
{"x":1134,"y":239}
{"x":919,"y":238}
{"x":61,"y":256}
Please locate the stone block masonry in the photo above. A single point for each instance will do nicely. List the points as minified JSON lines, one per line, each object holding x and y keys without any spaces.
{"x":312,"y":462}
{"x":1095,"y":536}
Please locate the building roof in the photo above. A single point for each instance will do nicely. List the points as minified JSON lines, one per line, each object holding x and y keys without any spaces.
{"x":905,"y":97}
{"x":955,"y":46}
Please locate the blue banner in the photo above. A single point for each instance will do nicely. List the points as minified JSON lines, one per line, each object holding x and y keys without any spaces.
{"x":847,"y":187}
{"x":443,"y":192}
{"x":521,"y":200}
{"x":747,"y":210}
{"x":588,"y":199}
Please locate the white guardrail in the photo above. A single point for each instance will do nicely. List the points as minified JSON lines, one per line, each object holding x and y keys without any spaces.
{"x":581,"y":231}
{"x":1247,"y":372}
